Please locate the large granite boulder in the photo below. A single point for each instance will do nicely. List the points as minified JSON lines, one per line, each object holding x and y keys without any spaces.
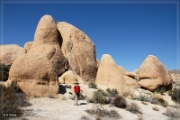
{"x":109,"y":75}
{"x":122,"y":70}
{"x":153,"y":74}
{"x":9,"y":53}
{"x":37,"y":71}
{"x":79,"y":50}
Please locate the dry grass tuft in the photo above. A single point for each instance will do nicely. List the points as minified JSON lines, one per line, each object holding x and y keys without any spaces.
{"x":12,"y":101}
{"x":134,"y":108}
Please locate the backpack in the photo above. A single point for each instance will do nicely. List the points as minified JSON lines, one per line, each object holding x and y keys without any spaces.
{"x":77,"y":89}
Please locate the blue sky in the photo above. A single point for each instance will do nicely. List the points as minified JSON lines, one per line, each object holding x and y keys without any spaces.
{"x":128,"y":31}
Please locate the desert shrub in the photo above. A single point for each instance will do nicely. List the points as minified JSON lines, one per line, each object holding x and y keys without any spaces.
{"x":4,"y":71}
{"x":92,"y":85}
{"x":175,"y":93}
{"x":143,"y":97}
{"x":161,"y":102}
{"x":112,"y":92}
{"x":155,"y":108}
{"x":134,"y":108}
{"x":12,"y":101}
{"x":68,"y":86}
{"x":172,"y":113}
{"x":120,"y":102}
{"x":100,"y":96}
{"x":102,"y":113}
{"x":161,"y":89}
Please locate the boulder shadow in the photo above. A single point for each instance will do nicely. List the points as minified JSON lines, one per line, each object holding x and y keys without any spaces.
{"x":62,"y":89}
{"x":83,"y":103}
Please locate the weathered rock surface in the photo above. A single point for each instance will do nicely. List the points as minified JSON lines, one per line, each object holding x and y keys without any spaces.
{"x":131,"y":83}
{"x":110,"y":76}
{"x":69,"y":77}
{"x":152,"y":74}
{"x":37,"y":71}
{"x":98,"y":62}
{"x":122,"y":70}
{"x":79,"y":50}
{"x":27,"y":46}
{"x":9,"y":53}
{"x":131,"y":74}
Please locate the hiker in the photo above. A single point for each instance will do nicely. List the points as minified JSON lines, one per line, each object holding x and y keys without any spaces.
{"x":77,"y":92}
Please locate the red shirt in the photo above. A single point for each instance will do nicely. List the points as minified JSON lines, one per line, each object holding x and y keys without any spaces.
{"x":77,"y":89}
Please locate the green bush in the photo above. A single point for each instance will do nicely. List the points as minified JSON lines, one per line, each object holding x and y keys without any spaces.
{"x":161,"y":89}
{"x":143,"y":97}
{"x":92,"y":85}
{"x":134,"y":108}
{"x":100,"y":96}
{"x":112,"y":92}
{"x":120,"y":102}
{"x":4,"y":72}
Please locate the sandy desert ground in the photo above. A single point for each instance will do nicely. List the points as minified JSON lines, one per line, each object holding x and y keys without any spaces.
{"x":61,"y":108}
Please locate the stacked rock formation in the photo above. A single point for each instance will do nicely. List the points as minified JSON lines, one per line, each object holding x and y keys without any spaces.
{"x":110,"y":76}
{"x":36,"y":72}
{"x":152,"y":74}
{"x":79,"y":50}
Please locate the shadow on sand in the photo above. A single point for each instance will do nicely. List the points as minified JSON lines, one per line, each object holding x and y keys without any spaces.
{"x":83,"y":103}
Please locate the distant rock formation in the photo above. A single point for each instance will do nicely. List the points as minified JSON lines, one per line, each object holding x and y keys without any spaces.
{"x":110,"y":76}
{"x":176,"y":77}
{"x":27,"y":46}
{"x":9,"y":53}
{"x":37,"y":71}
{"x":152,"y":74}
{"x":79,"y":50}
{"x":69,"y":77}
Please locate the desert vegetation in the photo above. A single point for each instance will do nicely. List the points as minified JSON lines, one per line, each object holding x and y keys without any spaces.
{"x":175,"y":93}
{"x":112,"y":92}
{"x":101,"y":113}
{"x":172,"y":113}
{"x":4,"y":72}
{"x":12,"y":101}
{"x":119,"y":102}
{"x":92,"y":85}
